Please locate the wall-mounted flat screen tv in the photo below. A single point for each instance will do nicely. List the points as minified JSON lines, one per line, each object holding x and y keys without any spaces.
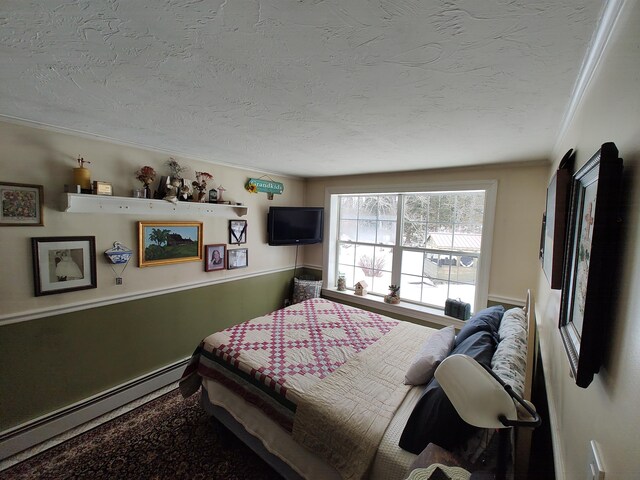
{"x":295,"y":225}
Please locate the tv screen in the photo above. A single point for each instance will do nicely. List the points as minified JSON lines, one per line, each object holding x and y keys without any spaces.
{"x":295,"y":225}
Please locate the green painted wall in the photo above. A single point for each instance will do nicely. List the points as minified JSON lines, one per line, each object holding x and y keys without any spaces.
{"x":52,"y":362}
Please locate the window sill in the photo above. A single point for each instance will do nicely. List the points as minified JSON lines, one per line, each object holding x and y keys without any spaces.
{"x":419,"y":313}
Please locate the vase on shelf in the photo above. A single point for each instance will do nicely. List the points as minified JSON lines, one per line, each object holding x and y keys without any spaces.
{"x":82,"y":175}
{"x":147,"y":191}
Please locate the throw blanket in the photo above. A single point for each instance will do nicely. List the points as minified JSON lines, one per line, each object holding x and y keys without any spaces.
{"x":343,"y":417}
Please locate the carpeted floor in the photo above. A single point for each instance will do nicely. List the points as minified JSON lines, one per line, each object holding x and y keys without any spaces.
{"x":167,"y":438}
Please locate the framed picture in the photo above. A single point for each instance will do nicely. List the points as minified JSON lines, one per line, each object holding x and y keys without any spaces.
{"x":215,"y":257}
{"x":21,"y":205}
{"x":237,"y":232}
{"x":163,"y":243}
{"x":590,"y":266}
{"x":63,"y":264}
{"x":552,"y":250}
{"x":237,"y":258}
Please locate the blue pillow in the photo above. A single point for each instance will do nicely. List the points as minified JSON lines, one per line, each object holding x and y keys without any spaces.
{"x":487,"y":320}
{"x":434,"y":419}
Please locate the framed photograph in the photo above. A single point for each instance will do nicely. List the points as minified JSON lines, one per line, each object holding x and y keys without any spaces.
{"x":63,"y":264}
{"x":555,"y":227}
{"x":590,"y":266}
{"x":237,"y":232}
{"x":215,"y":257}
{"x":237,"y":258}
{"x":21,"y":205}
{"x":163,"y":243}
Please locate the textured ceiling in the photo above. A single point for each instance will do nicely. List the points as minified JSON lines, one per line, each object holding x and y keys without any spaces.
{"x":306,"y":87}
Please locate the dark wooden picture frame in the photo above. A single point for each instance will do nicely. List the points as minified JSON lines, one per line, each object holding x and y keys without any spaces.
{"x":237,"y":258}
{"x":589,"y":270}
{"x":555,"y":222}
{"x":237,"y":232}
{"x":21,"y":205}
{"x":63,"y":264}
{"x":213,"y":262}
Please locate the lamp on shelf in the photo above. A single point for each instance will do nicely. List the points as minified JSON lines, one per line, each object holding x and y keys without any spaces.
{"x":484,"y":400}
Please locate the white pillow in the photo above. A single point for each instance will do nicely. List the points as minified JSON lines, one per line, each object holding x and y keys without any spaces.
{"x":433,"y":351}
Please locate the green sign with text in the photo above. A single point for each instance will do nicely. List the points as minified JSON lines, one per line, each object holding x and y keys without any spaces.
{"x":266,"y":186}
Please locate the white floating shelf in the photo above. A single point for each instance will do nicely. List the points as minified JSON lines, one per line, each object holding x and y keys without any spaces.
{"x":85,"y":203}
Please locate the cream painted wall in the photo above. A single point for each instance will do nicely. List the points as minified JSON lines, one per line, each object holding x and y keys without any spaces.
{"x":38,"y":156}
{"x":519,"y":206}
{"x":607,"y":411}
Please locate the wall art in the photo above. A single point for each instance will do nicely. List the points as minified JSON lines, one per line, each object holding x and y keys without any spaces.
{"x":237,"y":258}
{"x":215,"y":257}
{"x":237,"y":232}
{"x":589,"y":285}
{"x":63,"y":264}
{"x":21,"y":205}
{"x":163,"y":243}
{"x":552,"y":251}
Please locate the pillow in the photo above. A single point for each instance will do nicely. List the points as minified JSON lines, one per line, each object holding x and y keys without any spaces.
{"x":434,"y":419}
{"x":305,"y":289}
{"x":509,"y":361}
{"x":433,"y":351}
{"x":487,"y":320}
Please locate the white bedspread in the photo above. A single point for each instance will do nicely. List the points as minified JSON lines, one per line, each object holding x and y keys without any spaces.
{"x":343,"y":417}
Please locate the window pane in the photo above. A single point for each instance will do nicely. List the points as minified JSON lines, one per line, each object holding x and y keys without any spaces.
{"x":348,"y":230}
{"x":437,"y":294}
{"x":382,"y":275}
{"x":441,"y":207}
{"x":346,"y":254}
{"x":349,"y":207}
{"x":413,"y":234}
{"x":348,"y":274}
{"x":464,"y":292}
{"x":387,"y":207}
{"x":438,"y":237}
{"x":364,"y":262}
{"x":411,"y":288}
{"x":367,"y":231}
{"x":416,"y":208}
{"x":464,"y":269}
{"x":368,"y":208}
{"x":412,"y":262}
{"x":387,"y":233}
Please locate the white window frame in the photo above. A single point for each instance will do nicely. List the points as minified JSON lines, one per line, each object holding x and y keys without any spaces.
{"x":490,"y":187}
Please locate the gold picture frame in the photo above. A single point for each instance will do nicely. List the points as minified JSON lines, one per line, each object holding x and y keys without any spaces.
{"x":165,"y":243}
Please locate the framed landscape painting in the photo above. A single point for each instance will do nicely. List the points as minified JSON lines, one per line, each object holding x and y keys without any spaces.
{"x":164,"y":243}
{"x":63,"y":264}
{"x":21,"y":205}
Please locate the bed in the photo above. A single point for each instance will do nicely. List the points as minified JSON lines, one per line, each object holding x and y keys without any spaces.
{"x":318,"y":389}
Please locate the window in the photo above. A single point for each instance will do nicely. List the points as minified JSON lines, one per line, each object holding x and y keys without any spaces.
{"x":428,"y":242}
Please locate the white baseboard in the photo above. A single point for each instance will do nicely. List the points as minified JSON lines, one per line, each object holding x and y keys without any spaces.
{"x":29,"y":434}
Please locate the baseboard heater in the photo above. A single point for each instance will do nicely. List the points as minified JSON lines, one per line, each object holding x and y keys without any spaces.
{"x":48,"y":426}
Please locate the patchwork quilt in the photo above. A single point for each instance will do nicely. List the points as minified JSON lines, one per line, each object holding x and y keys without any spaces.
{"x":285,"y":353}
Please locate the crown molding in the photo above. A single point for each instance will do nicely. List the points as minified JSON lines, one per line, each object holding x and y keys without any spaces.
{"x":606,"y":26}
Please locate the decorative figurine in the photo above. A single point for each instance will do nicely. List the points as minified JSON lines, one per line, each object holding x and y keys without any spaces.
{"x":393,"y":297}
{"x":82,"y":175}
{"x":342,"y":282}
{"x":361,"y":288}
